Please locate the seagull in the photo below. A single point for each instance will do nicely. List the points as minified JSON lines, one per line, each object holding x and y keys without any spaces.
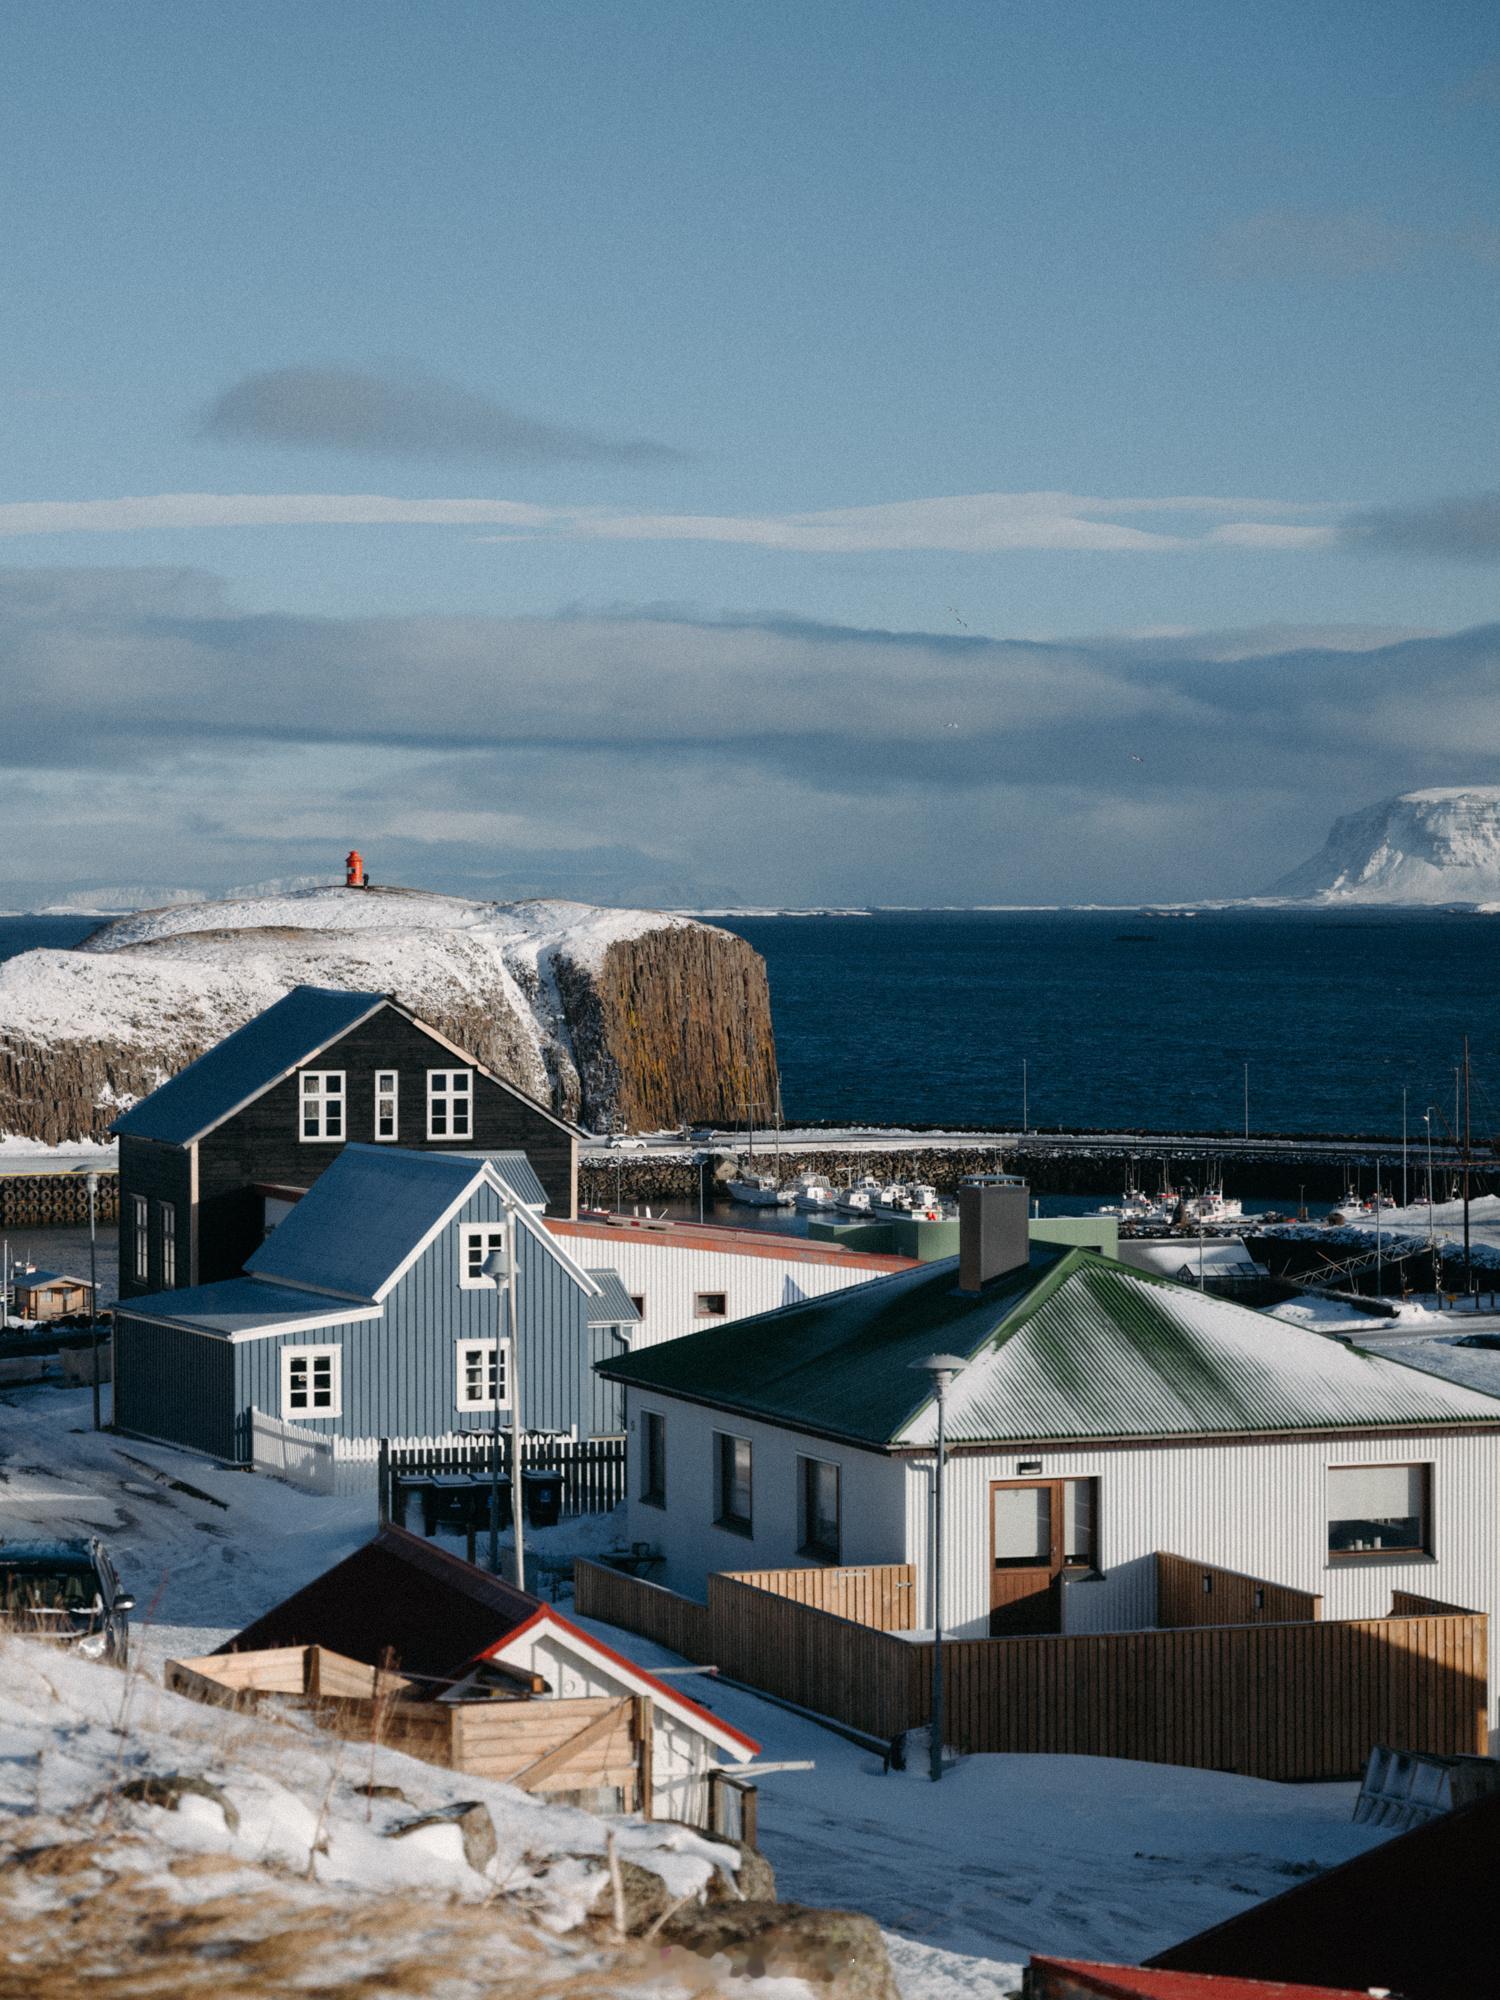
{"x":1133,"y":758}
{"x":959,"y":620}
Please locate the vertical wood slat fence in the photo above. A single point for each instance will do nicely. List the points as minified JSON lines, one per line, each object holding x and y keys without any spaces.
{"x":881,"y":1596}
{"x":593,"y":1469}
{"x":1189,"y":1593}
{"x":1305,"y":1698}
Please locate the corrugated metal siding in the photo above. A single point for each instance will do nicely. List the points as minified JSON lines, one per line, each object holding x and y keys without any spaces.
{"x":400,"y":1372}
{"x":669,"y":1275}
{"x":175,"y":1385}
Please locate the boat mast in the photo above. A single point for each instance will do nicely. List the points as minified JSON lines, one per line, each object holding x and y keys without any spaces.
{"x":1468,"y":1267}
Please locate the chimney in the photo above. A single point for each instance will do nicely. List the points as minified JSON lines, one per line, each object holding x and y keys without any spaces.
{"x":993,"y":1237}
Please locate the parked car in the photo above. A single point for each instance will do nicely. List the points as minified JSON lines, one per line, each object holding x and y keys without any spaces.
{"x":69,"y":1591}
{"x":627,"y":1142}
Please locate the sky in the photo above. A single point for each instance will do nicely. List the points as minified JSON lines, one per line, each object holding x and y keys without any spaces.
{"x":993,"y":451}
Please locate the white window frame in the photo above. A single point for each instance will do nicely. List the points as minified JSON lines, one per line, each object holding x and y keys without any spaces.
{"x":499,"y":1367}
{"x":388,"y":1092}
{"x":443,"y":1097}
{"x":140,"y":1248}
{"x":167,"y":1243}
{"x":488,"y":1236}
{"x":323,"y":1100}
{"x":310,"y":1357}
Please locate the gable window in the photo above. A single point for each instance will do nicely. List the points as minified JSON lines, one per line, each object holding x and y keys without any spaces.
{"x":483,"y":1375}
{"x":732,"y":1482}
{"x":1379,"y":1510}
{"x":166,"y":1223}
{"x":387,"y":1090}
{"x":311,"y":1384}
{"x":638,"y":1300}
{"x":450,"y":1104}
{"x":819,"y":1509}
{"x":475,"y":1242}
{"x":653,"y":1458}
{"x":710,"y":1305}
{"x":140,"y":1239}
{"x":322,"y":1104}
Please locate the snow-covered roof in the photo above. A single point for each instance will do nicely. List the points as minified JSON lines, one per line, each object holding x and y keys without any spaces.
{"x":235,"y":1071}
{"x":240,"y":1309}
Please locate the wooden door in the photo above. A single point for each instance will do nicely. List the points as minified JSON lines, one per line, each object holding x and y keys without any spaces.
{"x":1026,"y":1557}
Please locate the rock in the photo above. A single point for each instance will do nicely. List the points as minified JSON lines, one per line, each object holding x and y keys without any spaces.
{"x":611,"y":1016}
{"x":646,"y":1896}
{"x":754,"y":1881}
{"x":169,"y":1789}
{"x":839,"y":1953}
{"x":381,"y":1792}
{"x":1437,"y":846}
{"x":471,"y":1817}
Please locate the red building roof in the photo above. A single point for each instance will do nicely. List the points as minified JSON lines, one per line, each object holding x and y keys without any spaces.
{"x":1080,"y":1979}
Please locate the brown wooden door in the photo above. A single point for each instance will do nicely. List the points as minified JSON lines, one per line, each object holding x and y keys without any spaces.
{"x":1026,"y":1557}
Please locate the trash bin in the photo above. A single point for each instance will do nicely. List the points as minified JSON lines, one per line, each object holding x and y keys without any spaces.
{"x":544,"y":1498}
{"x":461,"y":1500}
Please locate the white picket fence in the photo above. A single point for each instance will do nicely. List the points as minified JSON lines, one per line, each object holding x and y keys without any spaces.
{"x":307,"y":1459}
{"x":595,"y":1467}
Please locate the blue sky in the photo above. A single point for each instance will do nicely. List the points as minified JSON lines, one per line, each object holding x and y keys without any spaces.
{"x":516,"y":341}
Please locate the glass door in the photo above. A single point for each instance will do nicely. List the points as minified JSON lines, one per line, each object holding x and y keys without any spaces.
{"x":1027,"y":1558}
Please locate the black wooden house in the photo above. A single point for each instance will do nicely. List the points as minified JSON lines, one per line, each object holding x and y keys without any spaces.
{"x":209,"y":1160}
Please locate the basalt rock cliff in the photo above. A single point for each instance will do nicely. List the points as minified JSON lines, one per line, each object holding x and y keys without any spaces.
{"x":613,"y":1017}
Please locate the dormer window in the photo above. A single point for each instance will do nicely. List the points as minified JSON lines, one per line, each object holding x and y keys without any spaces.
{"x":322,"y":1104}
{"x":450,"y":1104}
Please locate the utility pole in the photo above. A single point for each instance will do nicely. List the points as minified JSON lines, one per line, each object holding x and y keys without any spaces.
{"x":1379,"y":1271}
{"x":1403,"y":1145}
{"x":1468,"y":1267}
{"x":1025,"y":1106}
{"x":1247,"y":1100}
{"x":93,"y":1186}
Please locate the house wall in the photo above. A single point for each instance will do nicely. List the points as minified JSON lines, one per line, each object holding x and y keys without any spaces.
{"x":871,"y":1497}
{"x":680,"y":1757}
{"x":400,"y":1372}
{"x":262,"y":1143}
{"x":176,"y":1385}
{"x":668,"y":1275}
{"x":164,"y":1174}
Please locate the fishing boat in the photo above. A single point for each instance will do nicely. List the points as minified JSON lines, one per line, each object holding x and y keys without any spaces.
{"x":859,"y":1197}
{"x":907,"y":1201}
{"x":811,"y":1192}
{"x":759,"y":1191}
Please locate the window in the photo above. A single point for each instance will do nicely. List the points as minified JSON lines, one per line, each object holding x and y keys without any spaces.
{"x":450,"y":1104}
{"x":1079,"y":1539}
{"x":166,"y":1222}
{"x":387,"y":1090}
{"x":310,"y":1382}
{"x":1378,"y":1509}
{"x":1050,"y":1524}
{"x":710,"y":1305}
{"x":483,"y":1375}
{"x":820,"y":1509}
{"x":653,"y":1458}
{"x":475,"y":1242}
{"x":732,"y":1482}
{"x":140,"y":1239}
{"x":638,"y":1300}
{"x":322,"y":1104}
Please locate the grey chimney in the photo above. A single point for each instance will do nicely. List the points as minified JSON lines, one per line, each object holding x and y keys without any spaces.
{"x":993,"y":1237}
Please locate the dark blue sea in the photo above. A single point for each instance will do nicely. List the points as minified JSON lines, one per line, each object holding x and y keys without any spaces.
{"x":1123,"y":1020}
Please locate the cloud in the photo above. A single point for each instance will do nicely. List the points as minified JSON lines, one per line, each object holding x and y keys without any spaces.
{"x":969,"y":524}
{"x":1465,"y":529}
{"x":407,"y":414}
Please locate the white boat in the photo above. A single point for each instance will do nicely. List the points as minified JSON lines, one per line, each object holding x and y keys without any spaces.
{"x":759,"y":1191}
{"x":859,"y":1197}
{"x":908,"y":1201}
{"x":811,"y":1192}
{"x":1211,"y":1206}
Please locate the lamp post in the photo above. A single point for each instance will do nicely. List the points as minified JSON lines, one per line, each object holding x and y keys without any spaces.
{"x":500,"y":1267}
{"x":940,"y":1370}
{"x":1427,"y":1117}
{"x":93,"y":1187}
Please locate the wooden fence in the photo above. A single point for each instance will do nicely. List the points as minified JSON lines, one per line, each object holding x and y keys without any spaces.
{"x":1305,"y":1698}
{"x":593,"y":1469}
{"x":1190,"y":1593}
{"x":879,"y":1595}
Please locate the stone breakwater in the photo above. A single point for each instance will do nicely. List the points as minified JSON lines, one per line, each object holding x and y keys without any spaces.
{"x":47,"y":1201}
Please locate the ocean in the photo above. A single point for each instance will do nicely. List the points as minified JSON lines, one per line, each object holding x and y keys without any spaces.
{"x":1122,"y":1019}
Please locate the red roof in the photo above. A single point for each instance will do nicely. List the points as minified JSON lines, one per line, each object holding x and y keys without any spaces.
{"x":1065,"y":1978}
{"x":729,"y":1241}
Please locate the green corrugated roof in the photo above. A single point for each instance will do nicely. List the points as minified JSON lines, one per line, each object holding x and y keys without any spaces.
{"x":1075,"y":1346}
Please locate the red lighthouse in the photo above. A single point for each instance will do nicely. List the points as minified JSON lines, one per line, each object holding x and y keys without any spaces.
{"x":354,"y":869}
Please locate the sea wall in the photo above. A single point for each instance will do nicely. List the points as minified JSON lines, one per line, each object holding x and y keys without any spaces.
{"x":45,"y":1201}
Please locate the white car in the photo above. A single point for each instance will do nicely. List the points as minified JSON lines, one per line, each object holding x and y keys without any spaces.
{"x":627,"y":1142}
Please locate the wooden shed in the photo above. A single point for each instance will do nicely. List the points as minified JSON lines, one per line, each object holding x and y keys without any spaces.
{"x":50,"y":1294}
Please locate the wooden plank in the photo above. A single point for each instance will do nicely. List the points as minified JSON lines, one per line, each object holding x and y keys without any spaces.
{"x":643,"y":1728}
{"x":533,"y":1776}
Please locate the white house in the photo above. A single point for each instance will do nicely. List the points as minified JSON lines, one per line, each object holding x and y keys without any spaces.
{"x":683,"y":1278}
{"x":1100,"y":1415}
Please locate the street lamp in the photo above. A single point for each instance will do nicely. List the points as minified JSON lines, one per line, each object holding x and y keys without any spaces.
{"x":940,"y":1370}
{"x":1427,"y":1117}
{"x":93,"y":1187}
{"x":501,"y":1269}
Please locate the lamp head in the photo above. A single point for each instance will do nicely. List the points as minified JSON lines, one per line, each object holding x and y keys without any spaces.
{"x":495,"y":1268}
{"x":941,"y":1369}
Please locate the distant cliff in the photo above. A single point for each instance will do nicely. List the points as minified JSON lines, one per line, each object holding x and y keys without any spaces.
{"x":624,"y":1017}
{"x":1438,"y":846}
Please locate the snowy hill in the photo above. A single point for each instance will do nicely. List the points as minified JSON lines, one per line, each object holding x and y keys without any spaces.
{"x":605,"y":1014}
{"x":1438,"y":846}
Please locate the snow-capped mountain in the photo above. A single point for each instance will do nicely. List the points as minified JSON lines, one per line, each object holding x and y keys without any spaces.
{"x":1437,"y":846}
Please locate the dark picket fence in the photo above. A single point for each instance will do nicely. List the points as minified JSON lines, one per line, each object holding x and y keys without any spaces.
{"x":593,"y":1469}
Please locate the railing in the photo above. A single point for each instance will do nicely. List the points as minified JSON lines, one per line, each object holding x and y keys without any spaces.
{"x":1191,"y":1593}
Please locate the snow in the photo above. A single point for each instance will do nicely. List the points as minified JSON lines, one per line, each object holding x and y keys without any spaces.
{"x":1441,"y":845}
{"x":19,"y":1155}
{"x":1009,"y":1855}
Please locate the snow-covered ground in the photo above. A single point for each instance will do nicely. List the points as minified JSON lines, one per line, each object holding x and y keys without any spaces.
{"x":1008,"y":1855}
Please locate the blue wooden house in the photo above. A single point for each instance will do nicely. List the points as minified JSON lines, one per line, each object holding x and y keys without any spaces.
{"x":365,"y":1314}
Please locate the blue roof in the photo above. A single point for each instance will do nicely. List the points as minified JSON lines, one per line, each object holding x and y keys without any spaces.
{"x":613,"y":1307}
{"x":517,"y":1173}
{"x":362,"y":1217}
{"x":245,"y":1063}
{"x":238,"y":1305}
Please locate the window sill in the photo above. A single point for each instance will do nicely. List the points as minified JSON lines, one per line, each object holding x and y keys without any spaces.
{"x":733,"y":1527}
{"x":1402,"y":1558}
